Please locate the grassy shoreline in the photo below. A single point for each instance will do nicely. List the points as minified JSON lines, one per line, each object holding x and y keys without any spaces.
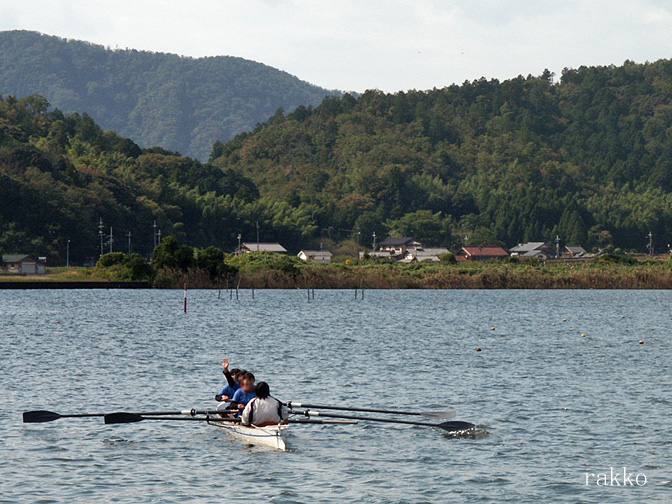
{"x":261,"y":275}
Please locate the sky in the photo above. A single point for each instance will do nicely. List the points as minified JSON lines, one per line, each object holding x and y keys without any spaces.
{"x":355,"y":45}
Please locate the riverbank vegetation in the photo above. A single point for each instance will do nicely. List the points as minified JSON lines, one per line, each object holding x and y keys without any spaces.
{"x":174,"y":265}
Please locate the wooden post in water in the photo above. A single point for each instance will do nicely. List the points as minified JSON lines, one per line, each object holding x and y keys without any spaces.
{"x":355,"y":293}
{"x":185,"y":297}
{"x":252,"y":297}
{"x":237,"y":287}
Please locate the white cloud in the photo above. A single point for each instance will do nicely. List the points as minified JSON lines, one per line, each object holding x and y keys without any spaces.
{"x":390,"y":45}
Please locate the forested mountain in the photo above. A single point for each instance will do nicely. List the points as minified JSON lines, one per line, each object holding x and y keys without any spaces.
{"x":588,"y":158}
{"x":179,"y":103}
{"x":60,"y":173}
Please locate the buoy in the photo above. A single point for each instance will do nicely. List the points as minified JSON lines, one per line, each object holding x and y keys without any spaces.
{"x":478,"y":348}
{"x":584,"y":334}
{"x":641,"y":341}
{"x":492,"y":328}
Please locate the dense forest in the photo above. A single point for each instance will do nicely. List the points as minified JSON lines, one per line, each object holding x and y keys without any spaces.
{"x":181,"y":104}
{"x":588,"y":158}
{"x":60,"y":174}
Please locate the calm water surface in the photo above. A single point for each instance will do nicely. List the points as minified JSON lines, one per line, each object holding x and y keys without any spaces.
{"x":555,"y":403}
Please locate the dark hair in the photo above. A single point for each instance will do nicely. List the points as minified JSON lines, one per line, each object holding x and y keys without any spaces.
{"x":263,"y":390}
{"x":245,"y":375}
{"x":235,"y":371}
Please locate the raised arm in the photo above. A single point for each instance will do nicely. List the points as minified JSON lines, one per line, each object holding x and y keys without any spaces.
{"x":227,"y":375}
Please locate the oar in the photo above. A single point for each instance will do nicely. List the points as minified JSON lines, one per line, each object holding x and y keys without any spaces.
{"x":122,"y":417}
{"x":432,"y":414}
{"x":454,"y":426}
{"x":41,"y":416}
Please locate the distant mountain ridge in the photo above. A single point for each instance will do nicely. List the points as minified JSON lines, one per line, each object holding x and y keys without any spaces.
{"x":179,"y":103}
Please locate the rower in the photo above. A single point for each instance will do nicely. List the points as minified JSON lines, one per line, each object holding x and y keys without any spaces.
{"x":263,"y":409}
{"x":245,"y":393}
{"x":232,"y":379}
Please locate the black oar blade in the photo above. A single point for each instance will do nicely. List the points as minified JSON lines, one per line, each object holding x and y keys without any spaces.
{"x":116,"y":418}
{"x":455,"y":426}
{"x":40,"y":416}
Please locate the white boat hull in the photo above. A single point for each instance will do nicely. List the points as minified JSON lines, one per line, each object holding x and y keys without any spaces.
{"x":273,"y":436}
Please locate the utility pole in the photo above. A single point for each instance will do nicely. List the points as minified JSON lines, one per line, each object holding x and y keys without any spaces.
{"x":557,"y":246}
{"x":154,"y":233}
{"x":100,"y":234}
{"x":111,"y":239}
{"x":650,"y":246}
{"x":67,"y":254}
{"x":128,"y":235}
{"x":238,"y":251}
{"x":257,"y":222}
{"x":374,"y":242}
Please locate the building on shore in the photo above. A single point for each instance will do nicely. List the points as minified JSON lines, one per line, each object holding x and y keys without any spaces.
{"x":24,"y":264}
{"x":533,"y":250}
{"x":318,"y":256}
{"x":484,"y":253}
{"x":432,"y":255}
{"x":574,"y":251}
{"x":398,"y":246}
{"x":273,"y":248}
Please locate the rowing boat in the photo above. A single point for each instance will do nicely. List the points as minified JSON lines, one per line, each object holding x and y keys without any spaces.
{"x":273,"y":436}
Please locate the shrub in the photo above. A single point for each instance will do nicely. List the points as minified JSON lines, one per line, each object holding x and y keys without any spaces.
{"x":112,"y":259}
{"x":138,"y":268}
{"x":448,"y":258}
{"x":616,"y":257}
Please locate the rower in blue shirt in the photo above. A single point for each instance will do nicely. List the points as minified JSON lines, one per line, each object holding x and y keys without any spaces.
{"x":245,"y":393}
{"x":232,"y":379}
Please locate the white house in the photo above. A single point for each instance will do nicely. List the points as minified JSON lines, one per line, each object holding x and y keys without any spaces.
{"x":399,"y":246}
{"x":319,"y":256}
{"x":425,"y":255}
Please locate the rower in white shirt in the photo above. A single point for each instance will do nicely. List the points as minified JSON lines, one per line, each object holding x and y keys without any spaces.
{"x":264,"y":410}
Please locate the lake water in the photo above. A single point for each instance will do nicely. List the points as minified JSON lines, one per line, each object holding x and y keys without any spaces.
{"x":555,"y":404}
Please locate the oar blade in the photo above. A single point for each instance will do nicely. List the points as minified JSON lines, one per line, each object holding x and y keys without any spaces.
{"x":456,"y":426}
{"x":119,"y":418}
{"x":40,"y":416}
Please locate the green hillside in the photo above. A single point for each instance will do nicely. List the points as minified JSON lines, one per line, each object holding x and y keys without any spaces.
{"x":588,"y":158}
{"x":179,"y":103}
{"x":60,"y":173}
